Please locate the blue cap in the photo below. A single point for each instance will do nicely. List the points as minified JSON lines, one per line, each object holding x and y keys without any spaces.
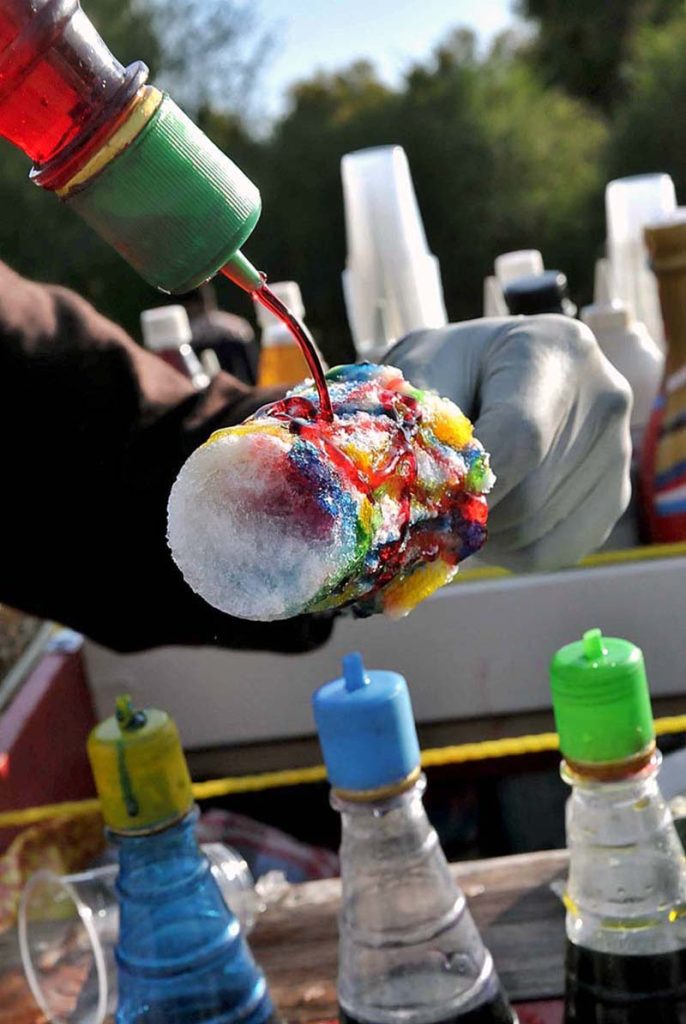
{"x":366,"y":727}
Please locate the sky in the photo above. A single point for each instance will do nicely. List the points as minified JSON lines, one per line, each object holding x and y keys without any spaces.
{"x":314,"y":35}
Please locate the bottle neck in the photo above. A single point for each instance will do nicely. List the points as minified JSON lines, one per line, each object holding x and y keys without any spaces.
{"x":672,"y":291}
{"x":375,"y":802}
{"x":626,"y":891}
{"x":408,"y":947}
{"x":642,"y":765}
{"x":60,"y":87}
{"x":139,"y":854}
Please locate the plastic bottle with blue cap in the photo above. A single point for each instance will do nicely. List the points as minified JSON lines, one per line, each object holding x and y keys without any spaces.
{"x":626,"y":892}
{"x":409,"y":950}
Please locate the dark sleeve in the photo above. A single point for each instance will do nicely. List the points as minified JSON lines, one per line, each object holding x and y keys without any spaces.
{"x":94,"y":431}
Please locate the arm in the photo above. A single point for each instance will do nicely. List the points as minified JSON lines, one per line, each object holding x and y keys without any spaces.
{"x":94,"y":431}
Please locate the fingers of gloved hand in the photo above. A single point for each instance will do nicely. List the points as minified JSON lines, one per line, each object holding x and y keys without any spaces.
{"x":547,"y":392}
{"x":526,"y":395}
{"x":448,"y":359}
{"x":574,"y":537}
{"x":579,"y":453}
{"x":600,"y":469}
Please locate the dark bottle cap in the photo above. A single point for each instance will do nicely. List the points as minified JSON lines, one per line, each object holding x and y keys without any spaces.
{"x":537,"y":293}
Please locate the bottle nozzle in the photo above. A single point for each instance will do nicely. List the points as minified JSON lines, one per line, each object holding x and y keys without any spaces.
{"x":354,"y":672}
{"x":594,"y":645}
{"x":241,"y":271}
{"x":126,"y":715}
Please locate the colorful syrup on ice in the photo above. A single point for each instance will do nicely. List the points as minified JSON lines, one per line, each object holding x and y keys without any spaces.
{"x":437,"y":519}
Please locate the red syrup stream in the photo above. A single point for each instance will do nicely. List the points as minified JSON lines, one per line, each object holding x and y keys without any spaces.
{"x":266,"y":297}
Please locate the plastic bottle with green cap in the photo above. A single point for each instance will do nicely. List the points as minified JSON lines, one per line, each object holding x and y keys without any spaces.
{"x":626,"y":891}
{"x":120,"y":153}
{"x":180,"y":956}
{"x":409,"y":951}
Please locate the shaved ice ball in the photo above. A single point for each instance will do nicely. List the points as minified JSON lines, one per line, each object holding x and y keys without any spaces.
{"x":250,"y":529}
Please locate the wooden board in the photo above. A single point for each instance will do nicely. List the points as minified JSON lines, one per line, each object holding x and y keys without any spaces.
{"x":520,"y":918}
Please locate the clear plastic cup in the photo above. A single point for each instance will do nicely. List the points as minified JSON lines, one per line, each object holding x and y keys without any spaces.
{"x":68,"y":930}
{"x":630,"y":205}
{"x":392,"y":282}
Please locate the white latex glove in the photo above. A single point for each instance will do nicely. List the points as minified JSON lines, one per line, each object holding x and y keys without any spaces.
{"x":554,"y":415}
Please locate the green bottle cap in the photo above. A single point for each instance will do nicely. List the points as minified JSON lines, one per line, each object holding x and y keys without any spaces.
{"x":173,"y":205}
{"x":601,"y":700}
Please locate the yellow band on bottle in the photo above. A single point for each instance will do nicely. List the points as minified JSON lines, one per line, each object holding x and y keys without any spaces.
{"x":364,"y":796}
{"x":142,"y":109}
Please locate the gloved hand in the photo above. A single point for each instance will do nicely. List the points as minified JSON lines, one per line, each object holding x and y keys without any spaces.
{"x":554,"y":415}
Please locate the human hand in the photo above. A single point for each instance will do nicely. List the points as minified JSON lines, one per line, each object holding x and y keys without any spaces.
{"x":554,"y":415}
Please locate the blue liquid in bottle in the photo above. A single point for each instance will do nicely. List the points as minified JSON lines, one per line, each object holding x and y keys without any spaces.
{"x":181,"y":958}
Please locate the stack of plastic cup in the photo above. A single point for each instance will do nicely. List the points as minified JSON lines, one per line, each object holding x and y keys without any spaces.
{"x":392,"y":282}
{"x":630,"y":205}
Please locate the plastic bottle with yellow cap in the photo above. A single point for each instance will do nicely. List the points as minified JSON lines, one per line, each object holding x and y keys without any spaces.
{"x":626,"y":893}
{"x":180,"y":956}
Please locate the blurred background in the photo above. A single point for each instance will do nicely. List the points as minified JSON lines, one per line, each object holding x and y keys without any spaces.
{"x":513,"y":116}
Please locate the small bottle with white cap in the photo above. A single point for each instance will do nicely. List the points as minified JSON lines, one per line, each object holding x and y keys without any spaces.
{"x":409,"y":951}
{"x":626,"y":892}
{"x":280,"y":361}
{"x":167,"y":333}
{"x":519,"y":263}
{"x":629,"y":347}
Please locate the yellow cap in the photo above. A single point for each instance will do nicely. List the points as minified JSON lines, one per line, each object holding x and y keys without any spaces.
{"x":140,"y":770}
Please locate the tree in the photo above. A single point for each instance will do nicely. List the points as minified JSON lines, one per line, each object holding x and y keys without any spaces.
{"x":646,"y":136}
{"x":498,"y":162}
{"x":582,"y":46}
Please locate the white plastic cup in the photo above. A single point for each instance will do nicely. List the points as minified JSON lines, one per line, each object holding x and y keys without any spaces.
{"x":392,"y":282}
{"x":631,"y":204}
{"x":519,"y":263}
{"x":69,"y":926}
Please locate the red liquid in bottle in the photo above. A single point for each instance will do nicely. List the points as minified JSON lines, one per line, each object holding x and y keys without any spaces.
{"x":58,"y":80}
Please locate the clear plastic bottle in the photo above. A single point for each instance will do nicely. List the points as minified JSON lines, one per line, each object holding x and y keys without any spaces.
{"x":281,"y":360}
{"x":626,"y":892}
{"x":626,"y":343}
{"x":167,"y":332}
{"x":181,"y":958}
{"x":409,"y":950}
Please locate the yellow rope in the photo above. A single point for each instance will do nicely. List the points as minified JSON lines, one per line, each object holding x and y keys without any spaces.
{"x":485,"y":750}
{"x":645,"y":553}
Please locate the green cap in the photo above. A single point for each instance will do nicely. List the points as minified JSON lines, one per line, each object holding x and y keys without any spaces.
{"x":173,"y":205}
{"x":601,"y":700}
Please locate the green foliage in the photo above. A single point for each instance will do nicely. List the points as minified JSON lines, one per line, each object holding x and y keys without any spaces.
{"x":581,"y":46}
{"x":648,"y":135}
{"x":497,"y":162}
{"x":501,"y":154}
